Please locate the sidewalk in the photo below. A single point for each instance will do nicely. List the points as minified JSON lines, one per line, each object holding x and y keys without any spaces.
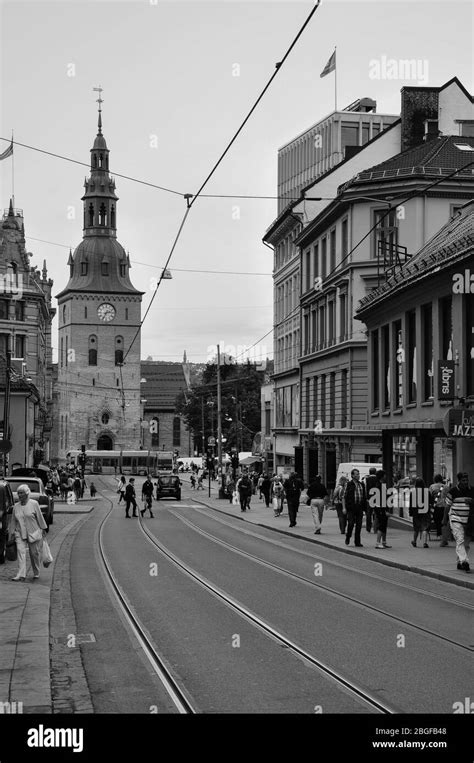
{"x":434,"y":562}
{"x":25,"y":683}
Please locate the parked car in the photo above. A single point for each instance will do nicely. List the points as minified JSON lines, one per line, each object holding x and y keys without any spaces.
{"x":29,"y":471}
{"x":37,"y":492}
{"x":168,"y":486}
{"x":6,"y":507}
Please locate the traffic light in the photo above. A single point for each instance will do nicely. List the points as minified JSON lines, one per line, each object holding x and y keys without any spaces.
{"x":235,"y":462}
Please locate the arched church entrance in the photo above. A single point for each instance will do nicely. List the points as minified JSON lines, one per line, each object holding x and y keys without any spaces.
{"x":105,"y":442}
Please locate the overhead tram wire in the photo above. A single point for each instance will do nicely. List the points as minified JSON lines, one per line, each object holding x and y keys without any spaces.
{"x":85,"y":164}
{"x":160,"y":267}
{"x":390,"y":209}
{"x":189,"y":203}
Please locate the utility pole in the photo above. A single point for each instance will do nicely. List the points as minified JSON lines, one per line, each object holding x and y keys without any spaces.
{"x":6,"y":404}
{"x":202,"y":424}
{"x":219,"y":426}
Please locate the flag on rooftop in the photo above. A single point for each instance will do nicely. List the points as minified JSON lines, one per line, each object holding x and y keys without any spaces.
{"x":330,"y":66}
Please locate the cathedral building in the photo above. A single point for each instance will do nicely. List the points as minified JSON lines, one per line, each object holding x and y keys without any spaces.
{"x":98,"y":375}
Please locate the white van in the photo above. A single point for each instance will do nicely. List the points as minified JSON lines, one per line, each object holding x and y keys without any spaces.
{"x":346,"y":468}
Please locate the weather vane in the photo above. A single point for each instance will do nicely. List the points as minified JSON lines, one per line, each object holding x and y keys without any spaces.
{"x":100,"y":102}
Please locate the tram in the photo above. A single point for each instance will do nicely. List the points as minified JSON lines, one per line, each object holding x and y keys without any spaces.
{"x":131,"y":462}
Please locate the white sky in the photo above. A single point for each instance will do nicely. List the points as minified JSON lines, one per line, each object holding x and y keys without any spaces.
{"x":167,"y":70}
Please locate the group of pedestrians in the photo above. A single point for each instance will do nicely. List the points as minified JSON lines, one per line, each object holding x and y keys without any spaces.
{"x":441,"y":508}
{"x":128,"y":495}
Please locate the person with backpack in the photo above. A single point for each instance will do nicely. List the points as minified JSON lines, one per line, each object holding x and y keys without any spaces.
{"x":436,"y":490}
{"x":147,"y":496}
{"x":419,"y":510}
{"x":244,"y":488}
{"x":293,"y":487}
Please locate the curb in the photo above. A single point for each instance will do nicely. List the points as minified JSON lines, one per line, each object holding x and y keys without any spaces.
{"x":387,"y":562}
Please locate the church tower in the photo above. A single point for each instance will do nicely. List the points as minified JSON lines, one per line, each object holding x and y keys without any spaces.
{"x":99,"y":316}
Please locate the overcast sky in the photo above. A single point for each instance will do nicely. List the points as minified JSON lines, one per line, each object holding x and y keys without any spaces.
{"x":168,"y":70}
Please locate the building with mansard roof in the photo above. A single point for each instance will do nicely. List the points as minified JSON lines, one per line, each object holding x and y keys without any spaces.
{"x":420,"y":323}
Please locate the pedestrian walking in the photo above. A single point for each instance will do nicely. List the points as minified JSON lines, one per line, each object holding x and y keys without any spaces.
{"x":355,"y":499}
{"x":200,"y":485}
{"x":446,"y":535}
{"x":130,"y":498}
{"x":192,"y":480}
{"x":317,"y":496}
{"x":83,"y":486}
{"x":460,"y":500}
{"x":28,"y":528}
{"x":338,"y":499}
{"x":419,"y":510}
{"x":259,"y":487}
{"x":278,"y":495}
{"x":244,"y":489}
{"x":435,"y":491}
{"x":93,"y":490}
{"x":377,"y":498}
{"x":265,"y":489}
{"x":230,"y":488}
{"x":77,"y":486}
{"x":121,"y":484}
{"x":147,"y":496}
{"x":370,"y":482}
{"x":293,"y":487}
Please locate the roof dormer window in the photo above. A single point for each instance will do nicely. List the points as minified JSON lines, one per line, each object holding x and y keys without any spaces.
{"x":105,"y":268}
{"x":84,"y":268}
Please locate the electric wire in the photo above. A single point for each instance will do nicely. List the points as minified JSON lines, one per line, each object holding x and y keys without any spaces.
{"x":412,"y":195}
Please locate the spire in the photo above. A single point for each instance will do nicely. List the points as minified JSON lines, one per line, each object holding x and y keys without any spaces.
{"x":100,"y":200}
{"x":45,"y":272}
{"x":10,"y":209}
{"x":100,"y":102}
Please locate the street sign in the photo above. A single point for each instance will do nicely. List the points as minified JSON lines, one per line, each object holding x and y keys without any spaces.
{"x":211,"y":441}
{"x":5,"y":446}
{"x":459,"y":422}
{"x":446,"y":380}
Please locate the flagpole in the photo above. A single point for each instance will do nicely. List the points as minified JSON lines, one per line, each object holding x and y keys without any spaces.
{"x":335,"y":79}
{"x":13,"y":175}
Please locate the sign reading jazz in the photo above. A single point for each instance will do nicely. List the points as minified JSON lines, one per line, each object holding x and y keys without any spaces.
{"x":459,"y":422}
{"x":446,"y":380}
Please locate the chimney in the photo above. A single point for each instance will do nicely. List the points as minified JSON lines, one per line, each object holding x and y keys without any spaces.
{"x":419,"y":105}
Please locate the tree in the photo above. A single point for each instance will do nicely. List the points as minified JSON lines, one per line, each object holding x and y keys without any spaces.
{"x":240,"y":386}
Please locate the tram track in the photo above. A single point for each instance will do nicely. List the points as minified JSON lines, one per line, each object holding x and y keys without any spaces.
{"x":178,"y":695}
{"x":281,"y":544}
{"x":319,"y":586}
{"x":182,"y":701}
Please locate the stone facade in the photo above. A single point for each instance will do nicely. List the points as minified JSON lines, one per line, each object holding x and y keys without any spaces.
{"x":98,"y":384}
{"x":25,"y":326}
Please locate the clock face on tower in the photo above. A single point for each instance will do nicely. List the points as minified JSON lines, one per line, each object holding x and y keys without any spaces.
{"x":106,"y":312}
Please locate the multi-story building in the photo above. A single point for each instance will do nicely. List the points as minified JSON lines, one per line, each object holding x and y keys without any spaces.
{"x":26,"y":314}
{"x":99,"y":320}
{"x":338,"y":136}
{"x":287,"y":284}
{"x":342,"y":262}
{"x":425,"y":113}
{"x":420,"y":374}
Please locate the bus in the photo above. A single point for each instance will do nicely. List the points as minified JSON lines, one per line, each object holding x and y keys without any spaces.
{"x":129,"y":462}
